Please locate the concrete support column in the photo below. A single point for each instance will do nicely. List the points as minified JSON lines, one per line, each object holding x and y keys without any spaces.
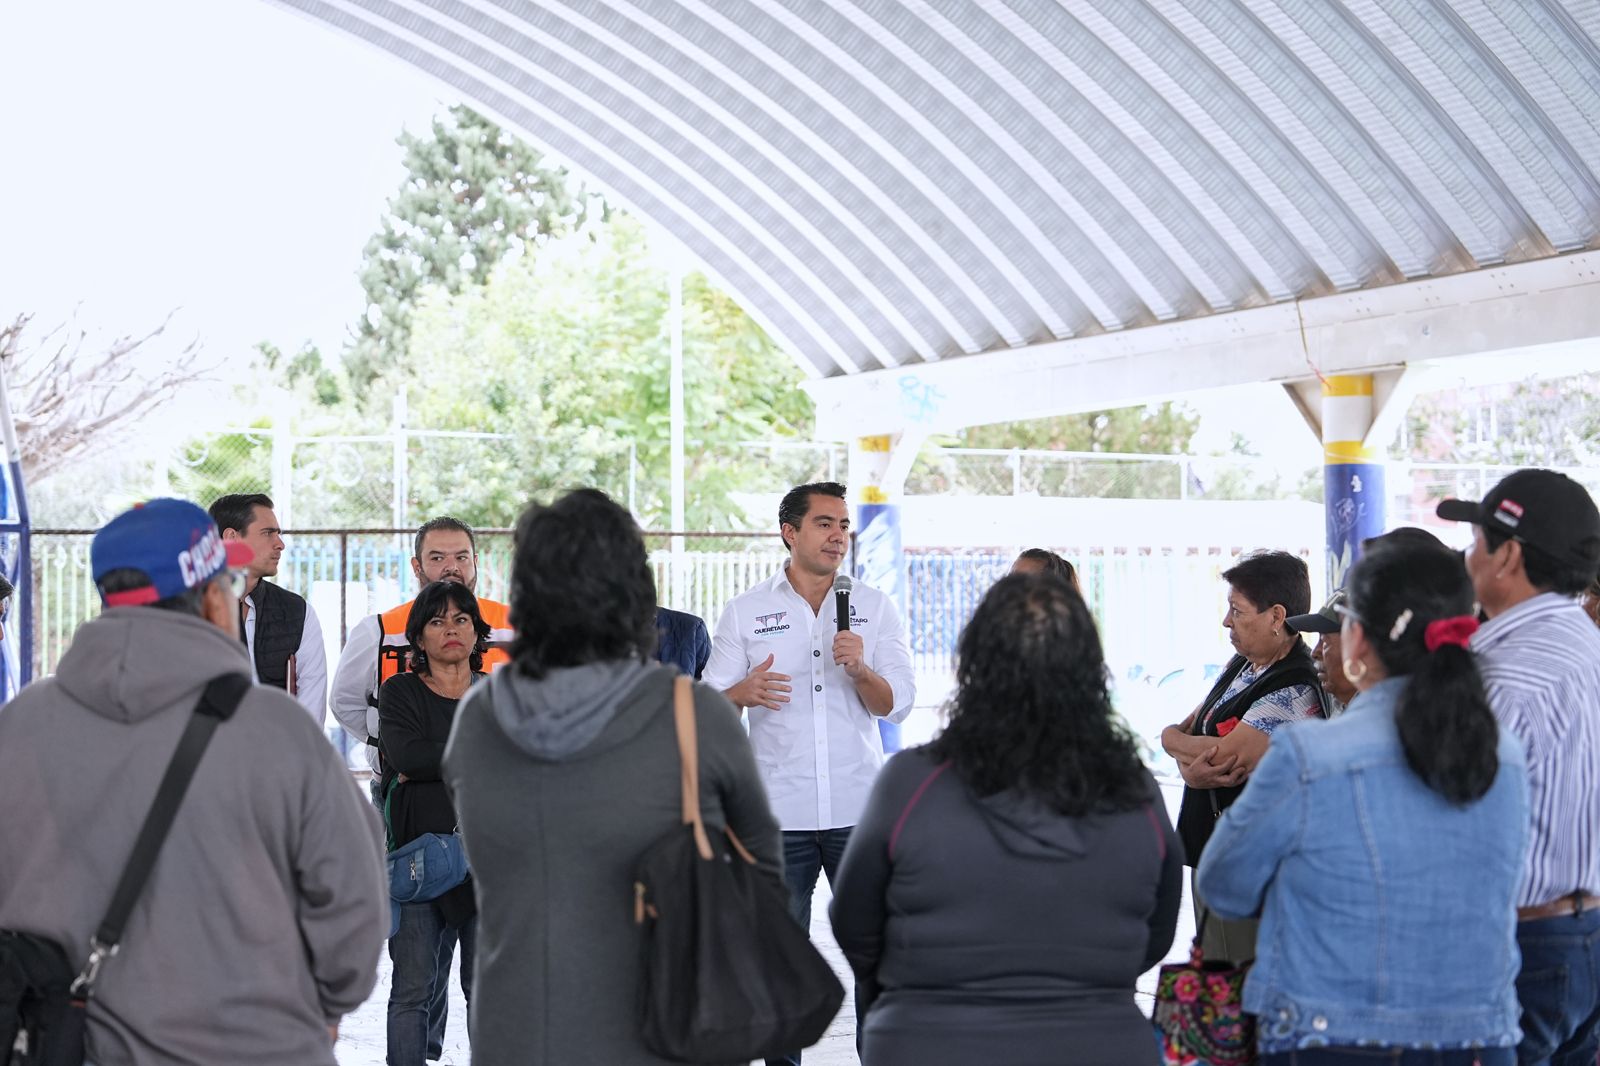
{"x":1353,"y":473}
{"x":878,"y":468}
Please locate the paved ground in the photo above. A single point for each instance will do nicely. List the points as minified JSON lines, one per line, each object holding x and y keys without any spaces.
{"x":361,"y":1038}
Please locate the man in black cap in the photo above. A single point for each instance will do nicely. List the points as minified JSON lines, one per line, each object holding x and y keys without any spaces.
{"x":1328,"y":654}
{"x":1535,"y":548}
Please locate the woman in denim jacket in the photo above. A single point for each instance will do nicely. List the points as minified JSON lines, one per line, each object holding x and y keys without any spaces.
{"x":1383,"y":849}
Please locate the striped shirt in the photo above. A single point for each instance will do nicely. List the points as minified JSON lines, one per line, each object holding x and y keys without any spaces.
{"x":1541,"y":667}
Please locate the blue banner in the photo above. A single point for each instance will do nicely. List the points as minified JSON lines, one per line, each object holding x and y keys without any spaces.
{"x":881,"y":563}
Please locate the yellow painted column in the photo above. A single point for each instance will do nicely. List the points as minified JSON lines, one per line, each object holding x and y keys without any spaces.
{"x":1353,"y":473}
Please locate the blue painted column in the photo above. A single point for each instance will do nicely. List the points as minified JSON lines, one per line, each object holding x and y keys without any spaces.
{"x":1353,"y":474}
{"x":880,"y":554}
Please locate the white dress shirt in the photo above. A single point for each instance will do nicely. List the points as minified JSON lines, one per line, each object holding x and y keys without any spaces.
{"x":354,"y":679}
{"x":819,"y":755}
{"x":310,"y":661}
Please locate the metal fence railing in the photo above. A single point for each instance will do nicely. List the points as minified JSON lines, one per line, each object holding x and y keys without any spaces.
{"x":347,"y":574}
{"x":1158,"y":609}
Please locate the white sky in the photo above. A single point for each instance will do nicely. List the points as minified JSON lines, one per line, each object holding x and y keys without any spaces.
{"x":225,"y":157}
{"x":229,"y":158}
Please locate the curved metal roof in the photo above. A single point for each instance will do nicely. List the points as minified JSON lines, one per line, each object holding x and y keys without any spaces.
{"x":892,"y":182}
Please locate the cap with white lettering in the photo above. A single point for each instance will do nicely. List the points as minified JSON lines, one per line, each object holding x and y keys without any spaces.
{"x":172,"y":542}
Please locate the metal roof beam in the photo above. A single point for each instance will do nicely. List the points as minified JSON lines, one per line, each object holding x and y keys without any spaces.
{"x":1501,"y":313}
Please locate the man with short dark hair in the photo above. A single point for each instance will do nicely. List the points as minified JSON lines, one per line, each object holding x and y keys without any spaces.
{"x":814,"y":693}
{"x":1535,"y":549}
{"x":278,"y":627}
{"x":261,"y":922}
{"x":445,"y":549}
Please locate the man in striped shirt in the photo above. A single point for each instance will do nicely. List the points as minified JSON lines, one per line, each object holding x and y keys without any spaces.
{"x":1535,"y":548}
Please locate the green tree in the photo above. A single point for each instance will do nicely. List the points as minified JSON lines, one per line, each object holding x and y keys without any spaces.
{"x":222,"y":464}
{"x":566,"y":350}
{"x":1161,"y":429}
{"x":1156,"y":429}
{"x":1537,"y":422}
{"x":474,"y":195}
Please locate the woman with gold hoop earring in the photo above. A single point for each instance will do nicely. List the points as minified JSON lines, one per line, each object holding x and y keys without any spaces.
{"x":1383,"y":850}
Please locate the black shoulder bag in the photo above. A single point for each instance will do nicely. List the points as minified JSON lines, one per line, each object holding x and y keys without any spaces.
{"x":728,"y":974}
{"x":43,"y":1005}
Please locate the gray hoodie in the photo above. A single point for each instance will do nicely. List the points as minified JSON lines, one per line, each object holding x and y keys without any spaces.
{"x":561,"y":785}
{"x":262,"y":921}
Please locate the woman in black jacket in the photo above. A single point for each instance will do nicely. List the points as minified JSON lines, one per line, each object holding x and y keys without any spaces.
{"x":1269,"y":682}
{"x":415,"y":711}
{"x":1008,"y":883}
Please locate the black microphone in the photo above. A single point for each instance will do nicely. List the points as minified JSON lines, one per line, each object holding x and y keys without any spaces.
{"x":841,"y":601}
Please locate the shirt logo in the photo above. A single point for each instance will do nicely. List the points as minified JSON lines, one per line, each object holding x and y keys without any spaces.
{"x":856,"y":620}
{"x":767,"y":624}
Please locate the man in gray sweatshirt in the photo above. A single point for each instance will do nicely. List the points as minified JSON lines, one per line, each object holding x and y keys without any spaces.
{"x":261,"y":923}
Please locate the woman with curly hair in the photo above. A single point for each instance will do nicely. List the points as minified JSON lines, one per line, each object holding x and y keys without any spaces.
{"x":1009,"y":881}
{"x":565,"y":769}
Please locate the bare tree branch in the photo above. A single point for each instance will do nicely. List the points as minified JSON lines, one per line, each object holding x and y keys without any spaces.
{"x":72,"y":404}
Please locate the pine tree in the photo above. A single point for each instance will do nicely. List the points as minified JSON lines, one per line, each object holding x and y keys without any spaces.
{"x":474,"y":196}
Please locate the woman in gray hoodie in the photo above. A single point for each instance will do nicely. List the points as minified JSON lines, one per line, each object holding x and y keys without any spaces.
{"x":564,"y":769}
{"x":1008,"y":882}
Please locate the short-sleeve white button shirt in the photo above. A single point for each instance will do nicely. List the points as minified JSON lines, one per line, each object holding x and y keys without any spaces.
{"x":819,"y":755}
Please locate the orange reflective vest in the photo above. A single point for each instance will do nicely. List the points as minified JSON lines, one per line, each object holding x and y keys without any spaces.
{"x":394,"y":651}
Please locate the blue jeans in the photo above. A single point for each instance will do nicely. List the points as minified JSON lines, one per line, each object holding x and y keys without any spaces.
{"x":1376,"y":1056}
{"x":421,"y":951}
{"x":1559,"y":988}
{"x":806,"y":852}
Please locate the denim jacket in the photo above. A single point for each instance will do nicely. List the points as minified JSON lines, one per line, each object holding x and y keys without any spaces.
{"x":1387,"y":915}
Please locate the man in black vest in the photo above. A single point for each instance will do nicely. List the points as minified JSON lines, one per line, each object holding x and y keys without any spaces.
{"x":280,"y":629}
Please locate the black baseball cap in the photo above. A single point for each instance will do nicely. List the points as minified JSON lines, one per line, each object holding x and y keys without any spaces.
{"x":1541,"y":508}
{"x":1325,"y":620}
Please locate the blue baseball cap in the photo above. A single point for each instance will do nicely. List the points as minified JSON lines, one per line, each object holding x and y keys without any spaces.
{"x":174,"y":542}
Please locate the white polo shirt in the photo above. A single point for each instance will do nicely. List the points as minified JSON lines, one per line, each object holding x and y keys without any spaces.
{"x":818,"y":756}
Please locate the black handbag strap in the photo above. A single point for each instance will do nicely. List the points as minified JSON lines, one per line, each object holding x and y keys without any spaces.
{"x":220,"y":699}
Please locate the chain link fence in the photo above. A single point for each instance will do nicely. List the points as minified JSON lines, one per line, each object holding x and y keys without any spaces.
{"x":1106,"y":475}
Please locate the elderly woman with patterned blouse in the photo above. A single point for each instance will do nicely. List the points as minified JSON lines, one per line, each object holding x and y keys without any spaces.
{"x":1270,"y":681}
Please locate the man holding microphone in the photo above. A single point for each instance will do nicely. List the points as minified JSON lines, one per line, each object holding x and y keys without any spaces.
{"x":815,"y":669}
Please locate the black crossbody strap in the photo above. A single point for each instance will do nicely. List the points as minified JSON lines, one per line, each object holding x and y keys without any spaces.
{"x":220,"y":699}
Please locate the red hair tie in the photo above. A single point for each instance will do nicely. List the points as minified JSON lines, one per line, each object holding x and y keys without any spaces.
{"x":1457,"y":631}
